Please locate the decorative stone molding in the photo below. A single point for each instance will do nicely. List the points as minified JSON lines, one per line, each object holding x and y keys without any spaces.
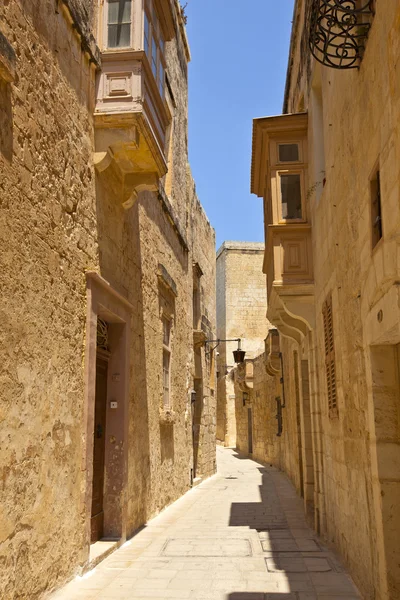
{"x":80,"y":21}
{"x":272,"y":353}
{"x":199,"y":338}
{"x":167,"y":416}
{"x":165,"y":278}
{"x":7,"y":60}
{"x":244,"y":375}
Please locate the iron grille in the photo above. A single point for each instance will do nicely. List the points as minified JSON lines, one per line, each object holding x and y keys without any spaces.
{"x":338,"y":31}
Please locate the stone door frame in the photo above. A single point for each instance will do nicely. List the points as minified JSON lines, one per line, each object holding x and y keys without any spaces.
{"x":105,"y":302}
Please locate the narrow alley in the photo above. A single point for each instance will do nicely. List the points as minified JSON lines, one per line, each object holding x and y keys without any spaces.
{"x":240,"y":535}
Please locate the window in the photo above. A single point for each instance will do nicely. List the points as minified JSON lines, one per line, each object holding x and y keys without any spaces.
{"x":288,"y":152}
{"x":166,"y":361}
{"x":290,"y":184}
{"x":330,"y":364}
{"x":376,"y":209}
{"x":146,"y":35}
{"x":154,"y":45}
{"x":119,"y":21}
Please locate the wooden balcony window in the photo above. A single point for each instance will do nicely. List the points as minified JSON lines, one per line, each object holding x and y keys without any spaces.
{"x":119,"y":23}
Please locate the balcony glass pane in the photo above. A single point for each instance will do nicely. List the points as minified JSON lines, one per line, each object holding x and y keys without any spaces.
{"x":154,"y":58}
{"x":288,"y":152}
{"x":161,"y":81}
{"x":146,"y":35}
{"x":291,"y":196}
{"x":119,"y":36}
{"x":119,"y":11}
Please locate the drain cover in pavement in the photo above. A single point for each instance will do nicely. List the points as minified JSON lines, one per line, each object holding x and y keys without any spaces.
{"x":207,"y":547}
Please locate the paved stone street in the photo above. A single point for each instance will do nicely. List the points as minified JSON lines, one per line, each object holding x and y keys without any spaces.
{"x":238,"y":536}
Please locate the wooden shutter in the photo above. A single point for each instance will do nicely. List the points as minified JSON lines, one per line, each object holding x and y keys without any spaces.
{"x":330,"y":364}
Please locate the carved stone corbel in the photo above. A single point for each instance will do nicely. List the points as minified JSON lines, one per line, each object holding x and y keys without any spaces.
{"x":272,"y":353}
{"x":135,"y":185}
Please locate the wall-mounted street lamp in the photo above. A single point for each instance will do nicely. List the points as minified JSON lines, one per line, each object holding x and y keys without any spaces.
{"x":238,"y":354}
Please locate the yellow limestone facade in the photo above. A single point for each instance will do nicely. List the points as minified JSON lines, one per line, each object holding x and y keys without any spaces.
{"x":241,"y":313}
{"x":260,"y":403}
{"x":108,"y":284}
{"x":328,"y":170}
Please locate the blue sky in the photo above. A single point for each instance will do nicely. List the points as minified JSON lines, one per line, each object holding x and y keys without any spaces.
{"x":238,"y":69}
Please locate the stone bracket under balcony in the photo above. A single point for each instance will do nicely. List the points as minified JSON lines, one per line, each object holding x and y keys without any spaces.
{"x":291,"y":310}
{"x":131,"y":120}
{"x":244,"y":375}
{"x":290,"y":281}
{"x":273,"y":353}
{"x":123,"y":149}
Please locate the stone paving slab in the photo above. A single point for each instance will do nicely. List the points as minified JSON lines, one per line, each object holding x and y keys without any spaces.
{"x":241,"y":535}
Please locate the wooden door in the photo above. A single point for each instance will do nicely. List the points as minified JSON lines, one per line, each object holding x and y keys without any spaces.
{"x":97,"y":520}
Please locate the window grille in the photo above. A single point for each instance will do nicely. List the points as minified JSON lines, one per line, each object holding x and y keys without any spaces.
{"x":330,"y":363}
{"x":102,"y":335}
{"x":338,"y":30}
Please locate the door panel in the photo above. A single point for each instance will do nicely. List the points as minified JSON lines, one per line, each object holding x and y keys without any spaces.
{"x":97,"y":519}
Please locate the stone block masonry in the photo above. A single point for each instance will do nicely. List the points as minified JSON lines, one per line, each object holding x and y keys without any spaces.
{"x":241,"y":310}
{"x":72,"y":259}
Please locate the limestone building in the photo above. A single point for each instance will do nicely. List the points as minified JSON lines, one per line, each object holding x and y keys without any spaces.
{"x":328,"y":171}
{"x":241,"y":313}
{"x":107,"y":278}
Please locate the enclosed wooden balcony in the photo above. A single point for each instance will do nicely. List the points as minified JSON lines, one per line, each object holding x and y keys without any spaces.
{"x":132,"y":112}
{"x":279,"y":176}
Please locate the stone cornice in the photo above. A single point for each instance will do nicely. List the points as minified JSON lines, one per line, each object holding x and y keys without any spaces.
{"x":7,"y":60}
{"x":79,"y":21}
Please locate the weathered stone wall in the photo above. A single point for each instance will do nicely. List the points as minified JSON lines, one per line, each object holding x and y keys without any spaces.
{"x":354,"y":119}
{"x":60,"y":219}
{"x":48,"y":238}
{"x":241,"y":310}
{"x":205,"y":408}
{"x":173,"y":231}
{"x":282,"y":451}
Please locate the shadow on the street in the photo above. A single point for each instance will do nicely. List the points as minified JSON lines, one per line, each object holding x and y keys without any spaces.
{"x":261,"y":516}
{"x":292,"y":554}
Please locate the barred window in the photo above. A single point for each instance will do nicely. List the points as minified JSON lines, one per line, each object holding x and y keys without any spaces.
{"x":330,"y":363}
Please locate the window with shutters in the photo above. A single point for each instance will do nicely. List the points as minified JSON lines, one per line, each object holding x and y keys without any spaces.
{"x":330,"y":363}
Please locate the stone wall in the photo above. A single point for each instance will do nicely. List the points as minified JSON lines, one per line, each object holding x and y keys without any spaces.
{"x":353,"y":132}
{"x":281,"y":447}
{"x":48,"y":238}
{"x":203,"y":256}
{"x":59,"y":220}
{"x":241,"y":310}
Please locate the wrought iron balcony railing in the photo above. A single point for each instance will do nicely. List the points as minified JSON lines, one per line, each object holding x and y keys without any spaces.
{"x":338,"y":30}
